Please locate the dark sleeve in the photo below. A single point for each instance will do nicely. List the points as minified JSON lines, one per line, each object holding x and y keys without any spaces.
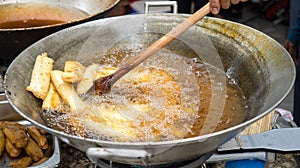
{"x":294,"y":35}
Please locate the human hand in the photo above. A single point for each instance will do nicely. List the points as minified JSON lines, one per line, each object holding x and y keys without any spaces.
{"x":292,"y":49}
{"x":215,"y":5}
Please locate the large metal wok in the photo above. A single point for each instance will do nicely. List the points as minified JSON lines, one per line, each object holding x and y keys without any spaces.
{"x":15,"y":40}
{"x":261,"y":66}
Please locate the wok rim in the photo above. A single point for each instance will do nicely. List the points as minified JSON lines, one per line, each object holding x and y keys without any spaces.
{"x":201,"y":138}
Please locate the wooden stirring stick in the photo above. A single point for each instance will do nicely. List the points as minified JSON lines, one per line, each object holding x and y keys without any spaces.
{"x":103,"y":85}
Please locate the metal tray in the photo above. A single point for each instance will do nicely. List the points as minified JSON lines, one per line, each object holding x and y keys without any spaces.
{"x":53,"y":161}
{"x":7,"y":113}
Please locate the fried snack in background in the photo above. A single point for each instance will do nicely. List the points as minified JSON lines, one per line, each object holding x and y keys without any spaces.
{"x":11,"y":149}
{"x":44,"y":159}
{"x":73,"y":71}
{"x":37,"y":149}
{"x":17,"y":136}
{"x":4,"y":124}
{"x":48,"y":152}
{"x":39,"y":138}
{"x":2,"y":142}
{"x":21,"y":163}
{"x":33,"y":150}
{"x":40,"y":77}
{"x":41,"y":131}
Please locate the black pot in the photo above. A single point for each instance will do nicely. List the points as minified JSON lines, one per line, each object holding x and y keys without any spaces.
{"x":15,"y":40}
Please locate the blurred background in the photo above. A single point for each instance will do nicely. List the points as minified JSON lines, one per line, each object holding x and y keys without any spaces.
{"x":268,"y":16}
{"x":271,"y":17}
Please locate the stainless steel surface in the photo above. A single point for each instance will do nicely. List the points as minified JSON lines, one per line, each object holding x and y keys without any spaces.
{"x":256,"y":155}
{"x":173,"y":4}
{"x":139,"y":7}
{"x":260,"y":65}
{"x":275,"y":139}
{"x":13,"y":41}
{"x":106,"y":153}
{"x":6,"y":110}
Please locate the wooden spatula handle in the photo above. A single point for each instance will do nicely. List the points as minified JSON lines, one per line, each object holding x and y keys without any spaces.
{"x":172,"y":34}
{"x":163,"y":41}
{"x":104,"y":84}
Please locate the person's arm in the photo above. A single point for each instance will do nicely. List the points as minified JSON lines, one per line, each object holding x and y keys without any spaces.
{"x":292,"y":43}
{"x":215,"y":5}
{"x":294,"y":35}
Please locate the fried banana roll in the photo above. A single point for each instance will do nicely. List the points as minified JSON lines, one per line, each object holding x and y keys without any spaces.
{"x":16,"y":136}
{"x":88,"y":79}
{"x":21,"y":163}
{"x":66,"y":91}
{"x":39,"y":138}
{"x":53,"y":100}
{"x":4,"y":124}
{"x":33,"y":150}
{"x":2,"y":142}
{"x":40,"y":77}
{"x":73,"y":71}
{"x":11,"y":149}
{"x":44,"y":159}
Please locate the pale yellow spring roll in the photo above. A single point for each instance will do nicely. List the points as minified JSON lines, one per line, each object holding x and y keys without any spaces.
{"x":40,"y":77}
{"x":66,"y":91}
{"x":53,"y":100}
{"x":88,"y":79}
{"x":73,"y":71}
